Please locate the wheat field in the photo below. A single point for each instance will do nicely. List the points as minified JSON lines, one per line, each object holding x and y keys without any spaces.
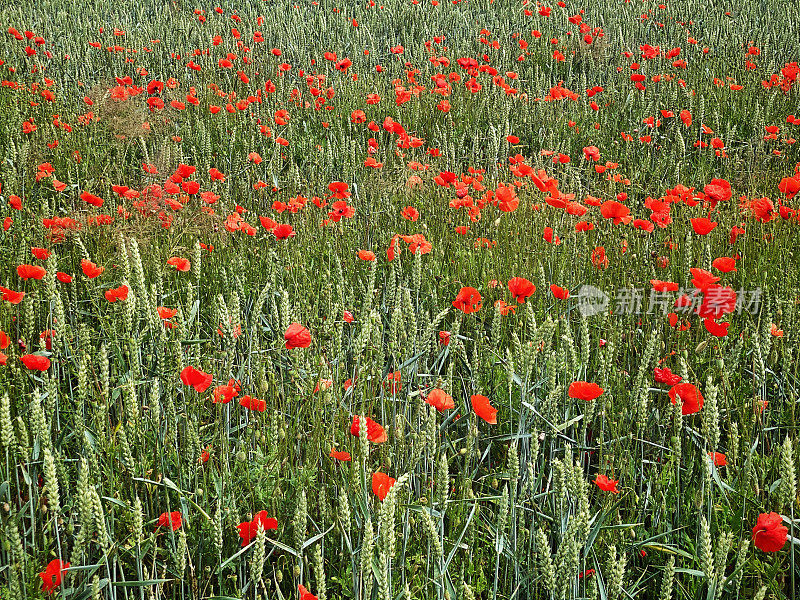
{"x":415,"y":299}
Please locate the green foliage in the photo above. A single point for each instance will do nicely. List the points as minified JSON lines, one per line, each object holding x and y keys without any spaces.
{"x":104,"y":444}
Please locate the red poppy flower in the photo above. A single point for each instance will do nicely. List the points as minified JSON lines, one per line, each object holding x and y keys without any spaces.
{"x":92,"y":199}
{"x":297,"y":336}
{"x":339,"y":210}
{"x":393,"y":382}
{"x":591,"y":153}
{"x":611,"y":209}
{"x":789,"y":186}
{"x":719,"y":459}
{"x":339,"y":190}
{"x":284,"y":231}
{"x":690,"y":396}
{"x":304,"y":593}
{"x":251,"y":403}
{"x":12,"y":296}
{"x":35,"y":362}
{"x":507,"y":200}
{"x":267,"y":223}
{"x":120,"y":293}
{"x":440,"y":399}
{"x":717,"y":190}
{"x":736,"y":231}
{"x":366,"y":255}
{"x":520,"y":288}
{"x":51,"y":576}
{"x":196,"y":378}
{"x":548,"y":236}
{"x":249,"y":529}
{"x":181,"y":264}
{"x":666,"y":376}
{"x":339,"y":455}
{"x":224,"y":393}
{"x":184,"y":171}
{"x":31,"y":272}
{"x":482,"y":408}
{"x":575,"y":208}
{"x":718,"y":300}
{"x":599,"y":258}
{"x":381,"y":484}
{"x":90,"y":269}
{"x":606,"y":484}
{"x":583,"y":390}
{"x":769,"y":532}
{"x":724,"y":264}
{"x":559,"y":292}
{"x":172,"y":519}
{"x":663,"y":286}
{"x":166,"y":313}
{"x":702,"y":279}
{"x":716,"y":329}
{"x":703,"y":225}
{"x":375,"y":432}
{"x":468,"y":300}
{"x":190,"y":187}
{"x":64,"y":277}
{"x":410,"y":213}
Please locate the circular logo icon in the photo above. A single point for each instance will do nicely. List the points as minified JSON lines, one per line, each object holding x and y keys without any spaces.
{"x":591,"y":300}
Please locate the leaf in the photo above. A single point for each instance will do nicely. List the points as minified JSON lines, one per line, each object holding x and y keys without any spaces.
{"x":411,"y":361}
{"x":232,"y":558}
{"x":310,"y":541}
{"x":283,"y":547}
{"x":85,"y":591}
{"x":85,"y":567}
{"x":146,"y":583}
{"x":566,"y":424}
{"x":692,"y":572}
{"x":668,"y":550}
{"x":599,"y":525}
{"x":192,"y":314}
{"x":601,"y":586}
{"x":116,"y":501}
{"x":169,"y":484}
{"x":460,"y":537}
{"x":25,"y":476}
{"x":715,"y":475}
